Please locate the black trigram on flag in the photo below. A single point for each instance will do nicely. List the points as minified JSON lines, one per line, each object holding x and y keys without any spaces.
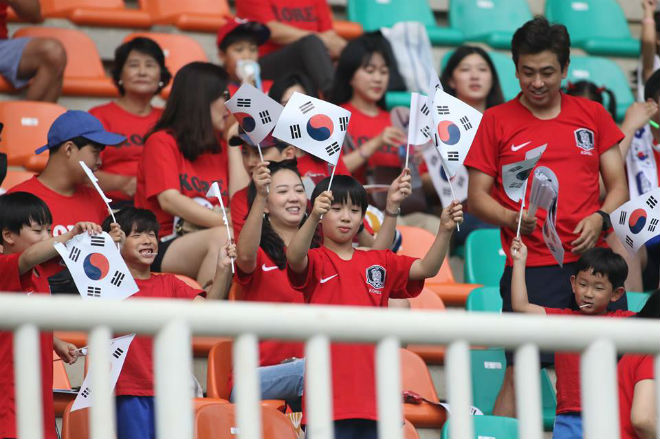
{"x":117,"y":353}
{"x":442,"y":110}
{"x":265,"y":117}
{"x":653,"y":224}
{"x":622,"y":217}
{"x":295,"y":131}
{"x":98,"y":241}
{"x":452,"y":156}
{"x":85,"y":392}
{"x":466,"y":123}
{"x":343,"y":123}
{"x":424,"y":110}
{"x":93,"y":292}
{"x":332,"y":149}
{"x":426,"y":131}
{"x":629,"y":241}
{"x":306,"y":107}
{"x":117,"y":278}
{"x":244,"y":102}
{"x":651,"y":202}
{"x":74,"y":254}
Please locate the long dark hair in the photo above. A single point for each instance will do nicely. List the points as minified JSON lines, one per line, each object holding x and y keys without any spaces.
{"x":186,"y":115}
{"x":495,"y":96}
{"x":356,"y":54}
{"x":270,"y":241}
{"x":282,"y":84}
{"x":589,"y":90}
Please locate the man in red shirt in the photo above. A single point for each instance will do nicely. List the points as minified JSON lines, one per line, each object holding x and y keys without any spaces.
{"x":35,"y":63}
{"x":582,"y":144}
{"x":301,"y":38}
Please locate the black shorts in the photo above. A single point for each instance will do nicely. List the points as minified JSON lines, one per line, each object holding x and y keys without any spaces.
{"x":156,"y":265}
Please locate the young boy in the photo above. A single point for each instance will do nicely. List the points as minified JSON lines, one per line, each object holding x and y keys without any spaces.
{"x":339,"y":274}
{"x":25,"y":237}
{"x":598,"y":281}
{"x":135,"y":387}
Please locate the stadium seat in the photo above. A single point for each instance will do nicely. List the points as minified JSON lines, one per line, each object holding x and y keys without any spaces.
{"x":374,"y":14}
{"x":15,"y":177}
{"x":548,"y":401}
{"x":347,"y":29}
{"x":409,"y":431}
{"x":487,"y":371}
{"x":62,"y":393}
{"x":490,"y":21}
{"x":428,"y":301}
{"x":26,"y":129}
{"x":179,"y":50}
{"x":415,"y":376}
{"x":84,"y":74}
{"x":484,"y":257}
{"x":110,"y":13}
{"x":491,"y":427}
{"x":484,"y":299}
{"x":397,"y":99}
{"x":191,"y":15}
{"x":75,"y":425}
{"x":636,"y":301}
{"x":597,"y":26}
{"x":603,"y":72}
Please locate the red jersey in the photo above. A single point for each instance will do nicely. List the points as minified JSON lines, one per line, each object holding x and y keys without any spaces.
{"x":316,"y":169}
{"x":310,"y":15}
{"x":233,"y":86}
{"x":363,"y":128}
{"x":164,"y":167}
{"x":268,"y":283}
{"x":575,"y":139}
{"x":369,"y":278}
{"x":136,"y":378}
{"x":3,"y":21}
{"x":567,"y":366}
{"x":631,"y":370}
{"x":239,"y":211}
{"x":31,"y":282}
{"x":124,"y":158}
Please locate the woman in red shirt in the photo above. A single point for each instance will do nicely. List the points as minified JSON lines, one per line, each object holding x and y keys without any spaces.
{"x":139,"y":73}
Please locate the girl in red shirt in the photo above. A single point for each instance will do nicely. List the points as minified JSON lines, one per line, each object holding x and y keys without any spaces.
{"x":139,"y":73}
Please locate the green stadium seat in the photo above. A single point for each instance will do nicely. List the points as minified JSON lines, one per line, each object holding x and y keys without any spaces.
{"x":374,"y":14}
{"x":487,"y":371}
{"x":491,"y":427}
{"x":597,"y":26}
{"x":603,"y":72}
{"x":636,"y":301}
{"x":490,"y":21}
{"x":484,"y":257}
{"x":548,"y":401}
{"x":484,"y":299}
{"x":397,"y":99}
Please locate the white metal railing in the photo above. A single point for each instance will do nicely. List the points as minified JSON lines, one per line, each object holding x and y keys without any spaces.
{"x":173,"y":323}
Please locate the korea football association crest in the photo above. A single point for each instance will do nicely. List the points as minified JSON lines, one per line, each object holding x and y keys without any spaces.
{"x":584,"y":139}
{"x":376,"y":276}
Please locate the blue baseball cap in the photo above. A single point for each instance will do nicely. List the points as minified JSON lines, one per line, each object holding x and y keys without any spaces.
{"x":76,"y":123}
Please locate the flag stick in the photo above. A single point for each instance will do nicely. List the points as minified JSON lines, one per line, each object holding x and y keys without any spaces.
{"x":261,"y":156}
{"x":522,"y":206}
{"x":453,"y":194}
{"x":215,"y":191}
{"x":334,"y":168}
{"x":94,"y":181}
{"x":407,"y":154}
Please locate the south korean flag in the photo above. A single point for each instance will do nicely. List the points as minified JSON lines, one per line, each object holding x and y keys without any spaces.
{"x":455,"y":124}
{"x":636,"y":221}
{"x":118,"y":351}
{"x":420,"y":122}
{"x":313,"y":125}
{"x":97,"y":268}
{"x":255,"y":112}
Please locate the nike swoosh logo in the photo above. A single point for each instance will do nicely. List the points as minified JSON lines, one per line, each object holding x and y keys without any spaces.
{"x":522,"y":145}
{"x":264,"y":268}
{"x":324,"y":280}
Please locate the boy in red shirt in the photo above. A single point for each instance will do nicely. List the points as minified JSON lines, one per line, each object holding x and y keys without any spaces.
{"x":598,"y":281}
{"x":339,"y":274}
{"x":135,"y":387}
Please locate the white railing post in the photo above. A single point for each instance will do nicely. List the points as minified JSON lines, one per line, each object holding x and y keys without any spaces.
{"x":173,"y":370}
{"x":27,"y":370}
{"x":247,"y":392}
{"x":388,"y":389}
{"x":318,"y":388}
{"x":459,"y":389}
{"x":528,"y":392}
{"x":102,"y":411}
{"x":600,"y":398}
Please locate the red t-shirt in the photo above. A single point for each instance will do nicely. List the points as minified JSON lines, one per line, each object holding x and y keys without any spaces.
{"x":369,"y":278}
{"x":124,"y":158}
{"x":239,"y":211}
{"x":136,"y":378}
{"x":509,"y":130}
{"x":163,"y":167}
{"x":316,"y":169}
{"x":267,"y":283}
{"x":631,"y":370}
{"x":3,"y":21}
{"x":363,"y":128}
{"x":31,"y":282}
{"x":310,"y":15}
{"x":233,"y":87}
{"x":567,"y":366}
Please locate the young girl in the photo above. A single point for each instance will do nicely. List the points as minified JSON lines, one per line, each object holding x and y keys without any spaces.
{"x":338,"y":274}
{"x":591,"y":91}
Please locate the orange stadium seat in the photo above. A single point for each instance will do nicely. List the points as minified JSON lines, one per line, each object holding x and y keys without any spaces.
{"x":15,"y":177}
{"x":409,"y":431}
{"x":84,"y":74}
{"x":347,"y":29}
{"x":26,"y":129}
{"x":62,"y":395}
{"x":415,"y":376}
{"x":110,"y":13}
{"x":217,"y":420}
{"x":75,"y":425}
{"x":195,"y":15}
{"x":428,"y":301}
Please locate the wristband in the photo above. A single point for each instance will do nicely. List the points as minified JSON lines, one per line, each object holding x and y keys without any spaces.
{"x":648,"y":20}
{"x":392,"y":214}
{"x":607,"y":222}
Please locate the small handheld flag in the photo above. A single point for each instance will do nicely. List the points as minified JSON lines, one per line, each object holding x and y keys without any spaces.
{"x":420,"y":122}
{"x":214,"y":191}
{"x":638,"y":220}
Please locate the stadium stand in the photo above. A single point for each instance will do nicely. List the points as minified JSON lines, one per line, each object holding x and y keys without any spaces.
{"x":415,"y":376}
{"x":110,"y":13}
{"x":217,"y":419}
{"x":492,"y":427}
{"x":198,"y":15}
{"x":636,"y":301}
{"x":428,"y":301}
{"x":484,"y":299}
{"x":484,"y":245}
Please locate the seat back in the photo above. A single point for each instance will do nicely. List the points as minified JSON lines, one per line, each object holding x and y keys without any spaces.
{"x":15,"y":177}
{"x":374,"y":14}
{"x":636,"y":301}
{"x":587,"y":19}
{"x":479,"y":18}
{"x":59,"y":8}
{"x":427,"y":300}
{"x":487,"y":371}
{"x":548,"y":400}
{"x":491,"y":427}
{"x":60,"y":377}
{"x":486,"y":299}
{"x":484,"y":257}
{"x":75,"y":425}
{"x":415,"y":242}
{"x":219,"y":370}
{"x":409,"y":431}
{"x":215,"y":420}
{"x":415,"y":375}
{"x":164,"y":10}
